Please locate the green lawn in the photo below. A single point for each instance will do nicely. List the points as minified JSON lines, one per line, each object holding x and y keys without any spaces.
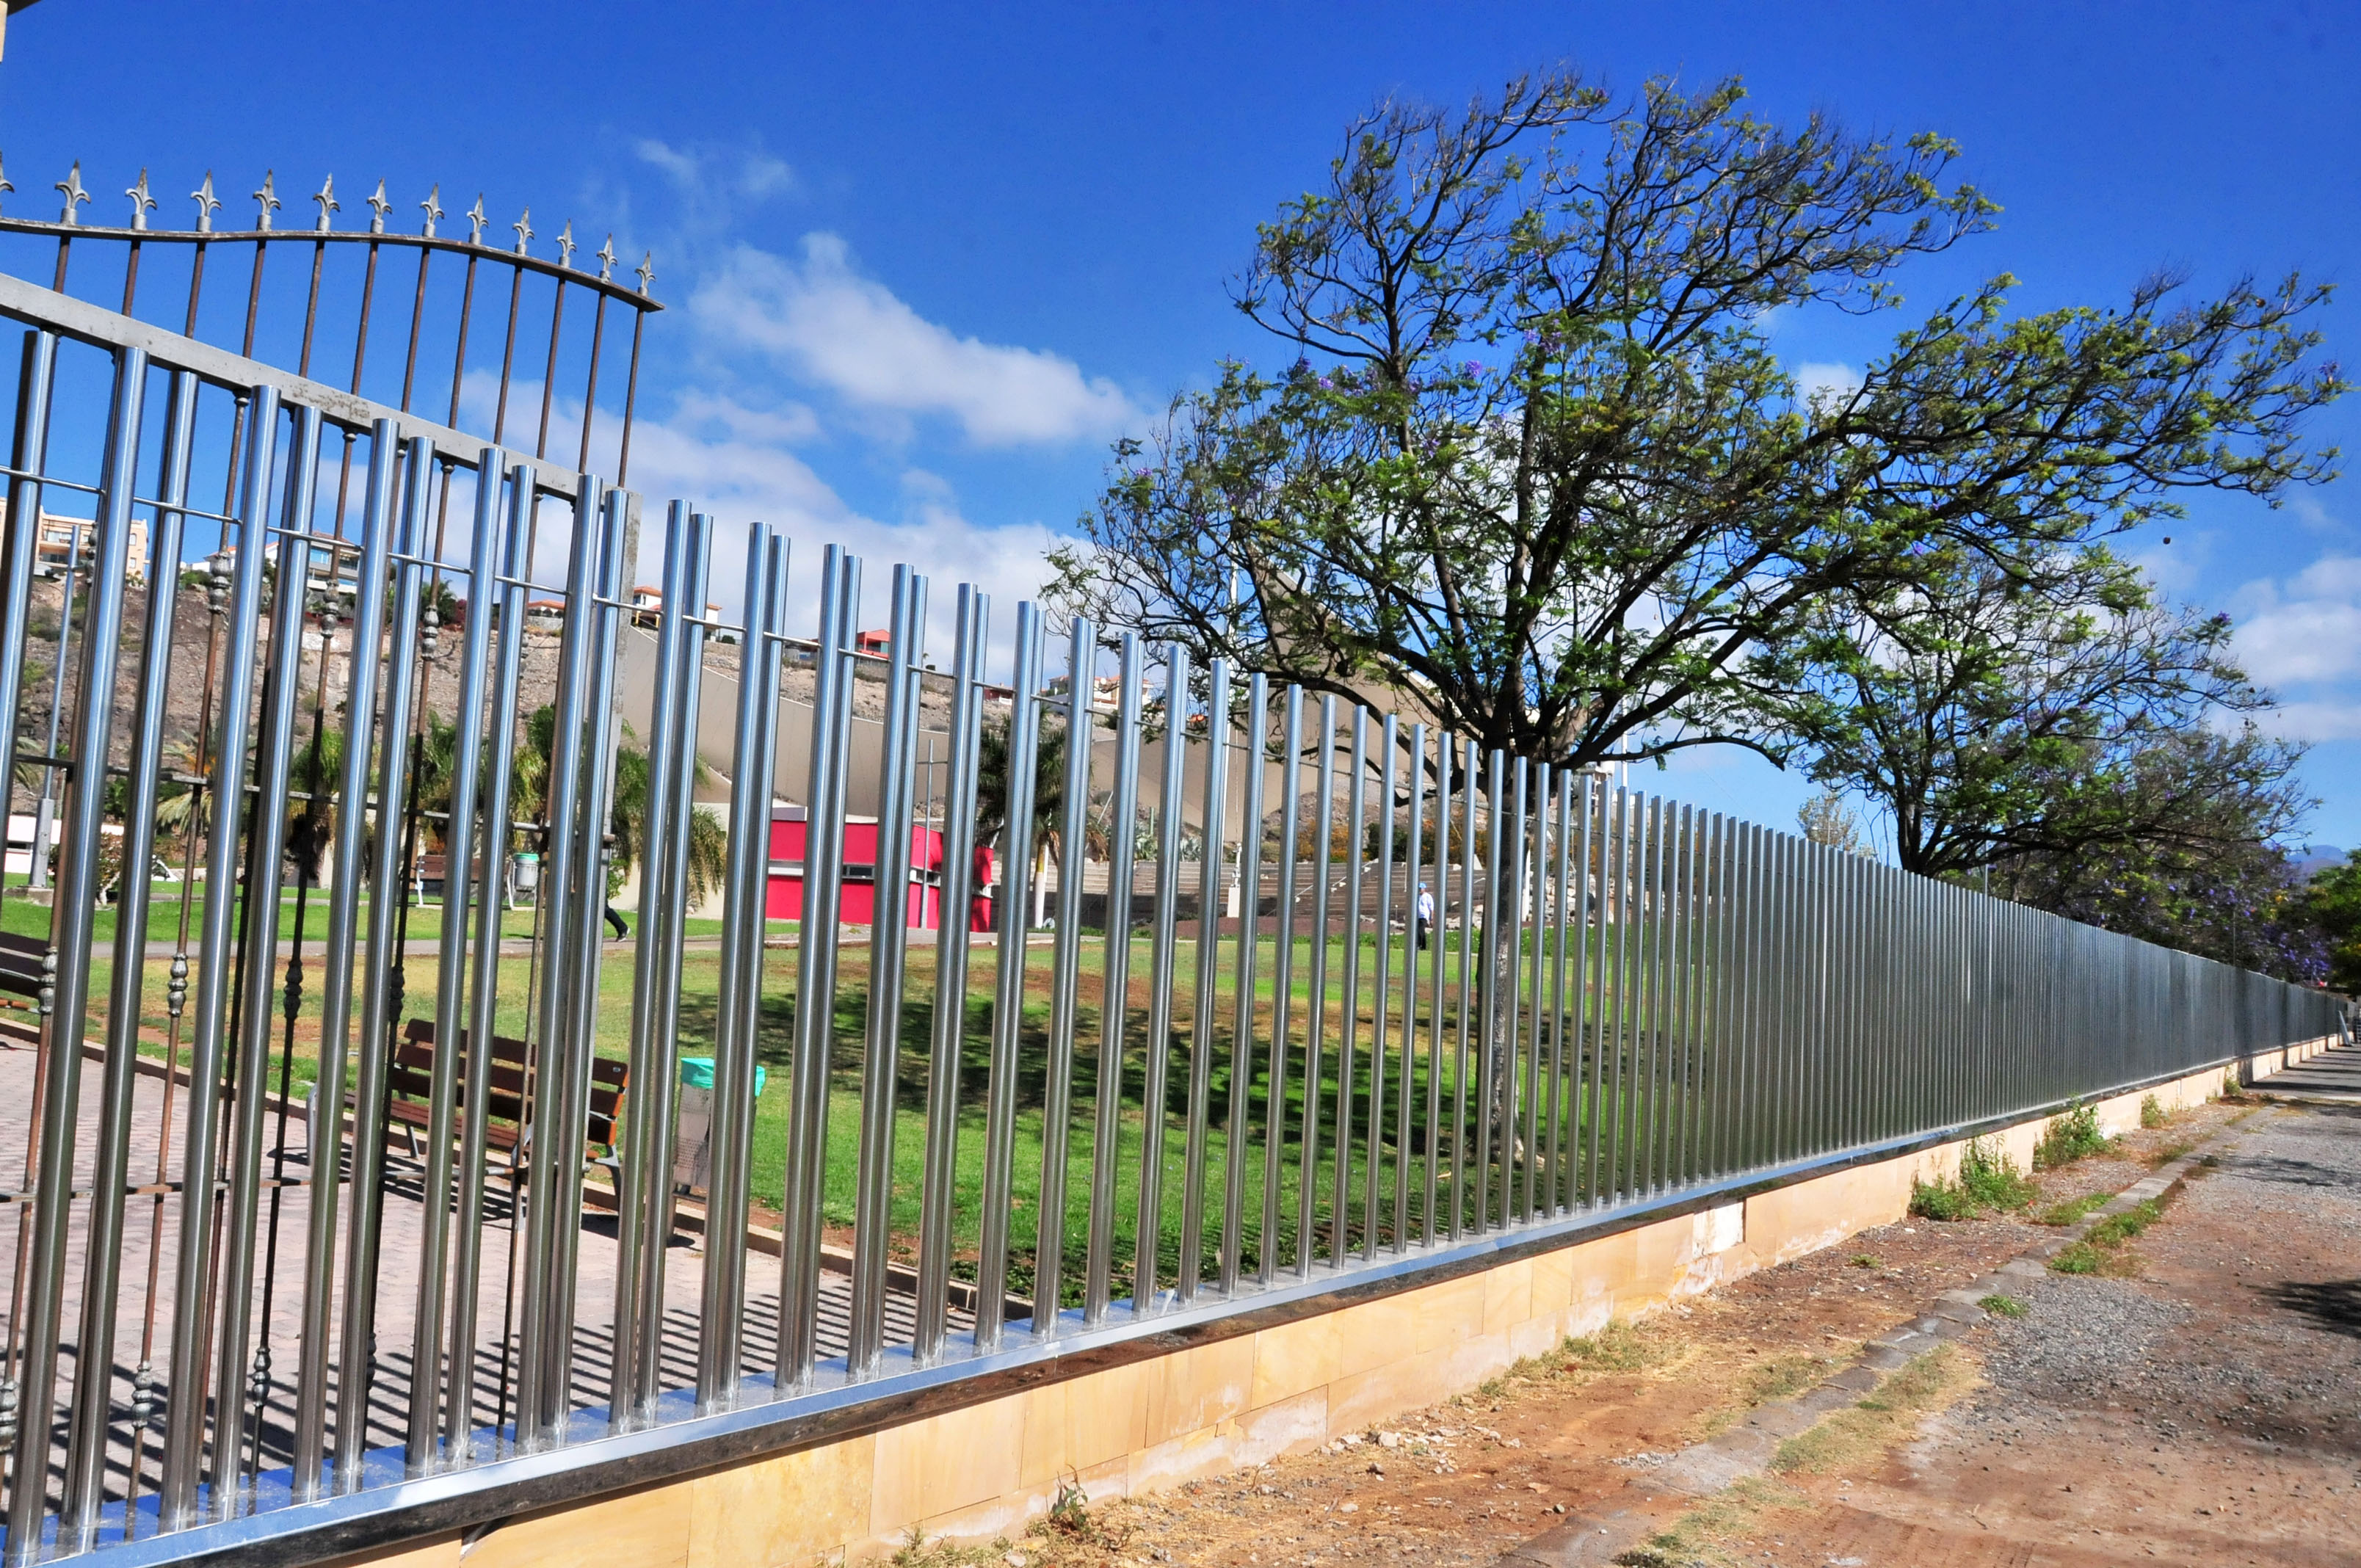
{"x":1651,"y":1087}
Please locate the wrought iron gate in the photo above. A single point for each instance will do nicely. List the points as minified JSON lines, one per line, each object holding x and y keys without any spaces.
{"x":348,"y":1213}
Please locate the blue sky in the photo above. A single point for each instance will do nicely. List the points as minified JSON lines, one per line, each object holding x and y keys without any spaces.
{"x":925,"y":262}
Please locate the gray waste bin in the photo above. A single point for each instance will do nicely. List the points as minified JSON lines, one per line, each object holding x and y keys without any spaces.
{"x":692,"y":1160}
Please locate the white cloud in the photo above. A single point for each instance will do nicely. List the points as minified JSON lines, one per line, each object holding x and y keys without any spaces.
{"x":853,"y":337}
{"x":2315,"y":720}
{"x":2306,"y":629}
{"x":711,"y":172}
{"x":2316,"y":518}
{"x":736,"y":462}
{"x":1815,"y":382}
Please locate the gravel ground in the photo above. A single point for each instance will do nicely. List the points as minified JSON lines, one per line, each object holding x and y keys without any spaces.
{"x":2199,"y":1404}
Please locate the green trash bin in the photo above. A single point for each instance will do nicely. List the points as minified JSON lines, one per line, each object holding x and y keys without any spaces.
{"x":692,"y":1160}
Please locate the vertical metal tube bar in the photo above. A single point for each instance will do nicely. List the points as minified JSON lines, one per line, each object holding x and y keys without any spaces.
{"x":1282,"y":983}
{"x":1316,"y":1033}
{"x":380,"y":961}
{"x":1106,"y":1098}
{"x":1236,"y":1129}
{"x":1562,"y":930}
{"x":1407,"y":1078}
{"x":1537,"y":901}
{"x":184,"y":1420}
{"x":504,"y":589}
{"x":72,"y":930}
{"x":1356,"y":826}
{"x":1489,"y":1045}
{"x":1056,"y":1100}
{"x":27,"y":451}
{"x":327,"y":1170}
{"x":1148,"y":1233}
{"x":265,"y":866}
{"x":1467,"y":963}
{"x":816,"y":963}
{"x":889,"y":948}
{"x":256,"y":956}
{"x":952,"y":917}
{"x":1388,"y":747}
{"x":428,"y":1380}
{"x":1023,"y":753}
{"x":538,"y":1406}
{"x":652,"y":1034}
{"x":1213,"y":808}
{"x":746,"y":880}
{"x":1445,"y":751}
{"x":608,"y":523}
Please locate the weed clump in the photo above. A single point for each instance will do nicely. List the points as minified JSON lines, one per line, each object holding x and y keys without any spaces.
{"x":2152,"y":1112}
{"x":2074,"y":1211}
{"x":2102,"y":1251}
{"x":2002,"y":1306}
{"x":2072,"y":1136}
{"x":1988,"y":1180}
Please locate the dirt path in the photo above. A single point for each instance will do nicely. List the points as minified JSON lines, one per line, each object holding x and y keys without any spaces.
{"x":2200,"y":1403}
{"x":1582,"y":1429}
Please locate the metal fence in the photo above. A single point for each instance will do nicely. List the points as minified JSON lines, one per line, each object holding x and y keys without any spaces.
{"x":298,"y":1247}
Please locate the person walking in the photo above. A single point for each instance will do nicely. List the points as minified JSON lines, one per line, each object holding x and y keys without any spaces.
{"x":1421,"y":918}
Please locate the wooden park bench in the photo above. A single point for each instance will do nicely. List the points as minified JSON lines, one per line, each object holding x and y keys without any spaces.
{"x":410,"y":1087}
{"x":24,"y":973}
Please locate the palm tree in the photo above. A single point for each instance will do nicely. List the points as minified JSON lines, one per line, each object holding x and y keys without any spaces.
{"x":627,"y":817}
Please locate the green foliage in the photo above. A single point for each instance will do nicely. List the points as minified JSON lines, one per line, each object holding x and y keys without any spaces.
{"x":2152,"y":1112}
{"x":2002,"y":711}
{"x":1071,"y":1514}
{"x":1988,"y":1181}
{"x":2101,"y":1250}
{"x":2004,"y":1306}
{"x":2070,"y":1138}
{"x":2117,"y":1229}
{"x":2331,"y":904}
{"x":2081,"y":1257}
{"x":2073,"y":1210}
{"x":1535,"y":387}
{"x":1944,"y":1201}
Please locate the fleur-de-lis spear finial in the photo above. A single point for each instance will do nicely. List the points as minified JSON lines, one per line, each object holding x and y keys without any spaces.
{"x":477,"y":220}
{"x":326,"y":196}
{"x":75,"y":195}
{"x":204,"y":197}
{"x":606,"y":260}
{"x":142,"y":203}
{"x":379,"y":207}
{"x":565,"y":244}
{"x":268,"y":198}
{"x":523,"y":227}
{"x":434,"y":207}
{"x":647,"y":270}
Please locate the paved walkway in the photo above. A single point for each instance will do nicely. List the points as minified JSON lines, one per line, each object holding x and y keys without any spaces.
{"x":2331,"y":1076}
{"x":144,"y":1319}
